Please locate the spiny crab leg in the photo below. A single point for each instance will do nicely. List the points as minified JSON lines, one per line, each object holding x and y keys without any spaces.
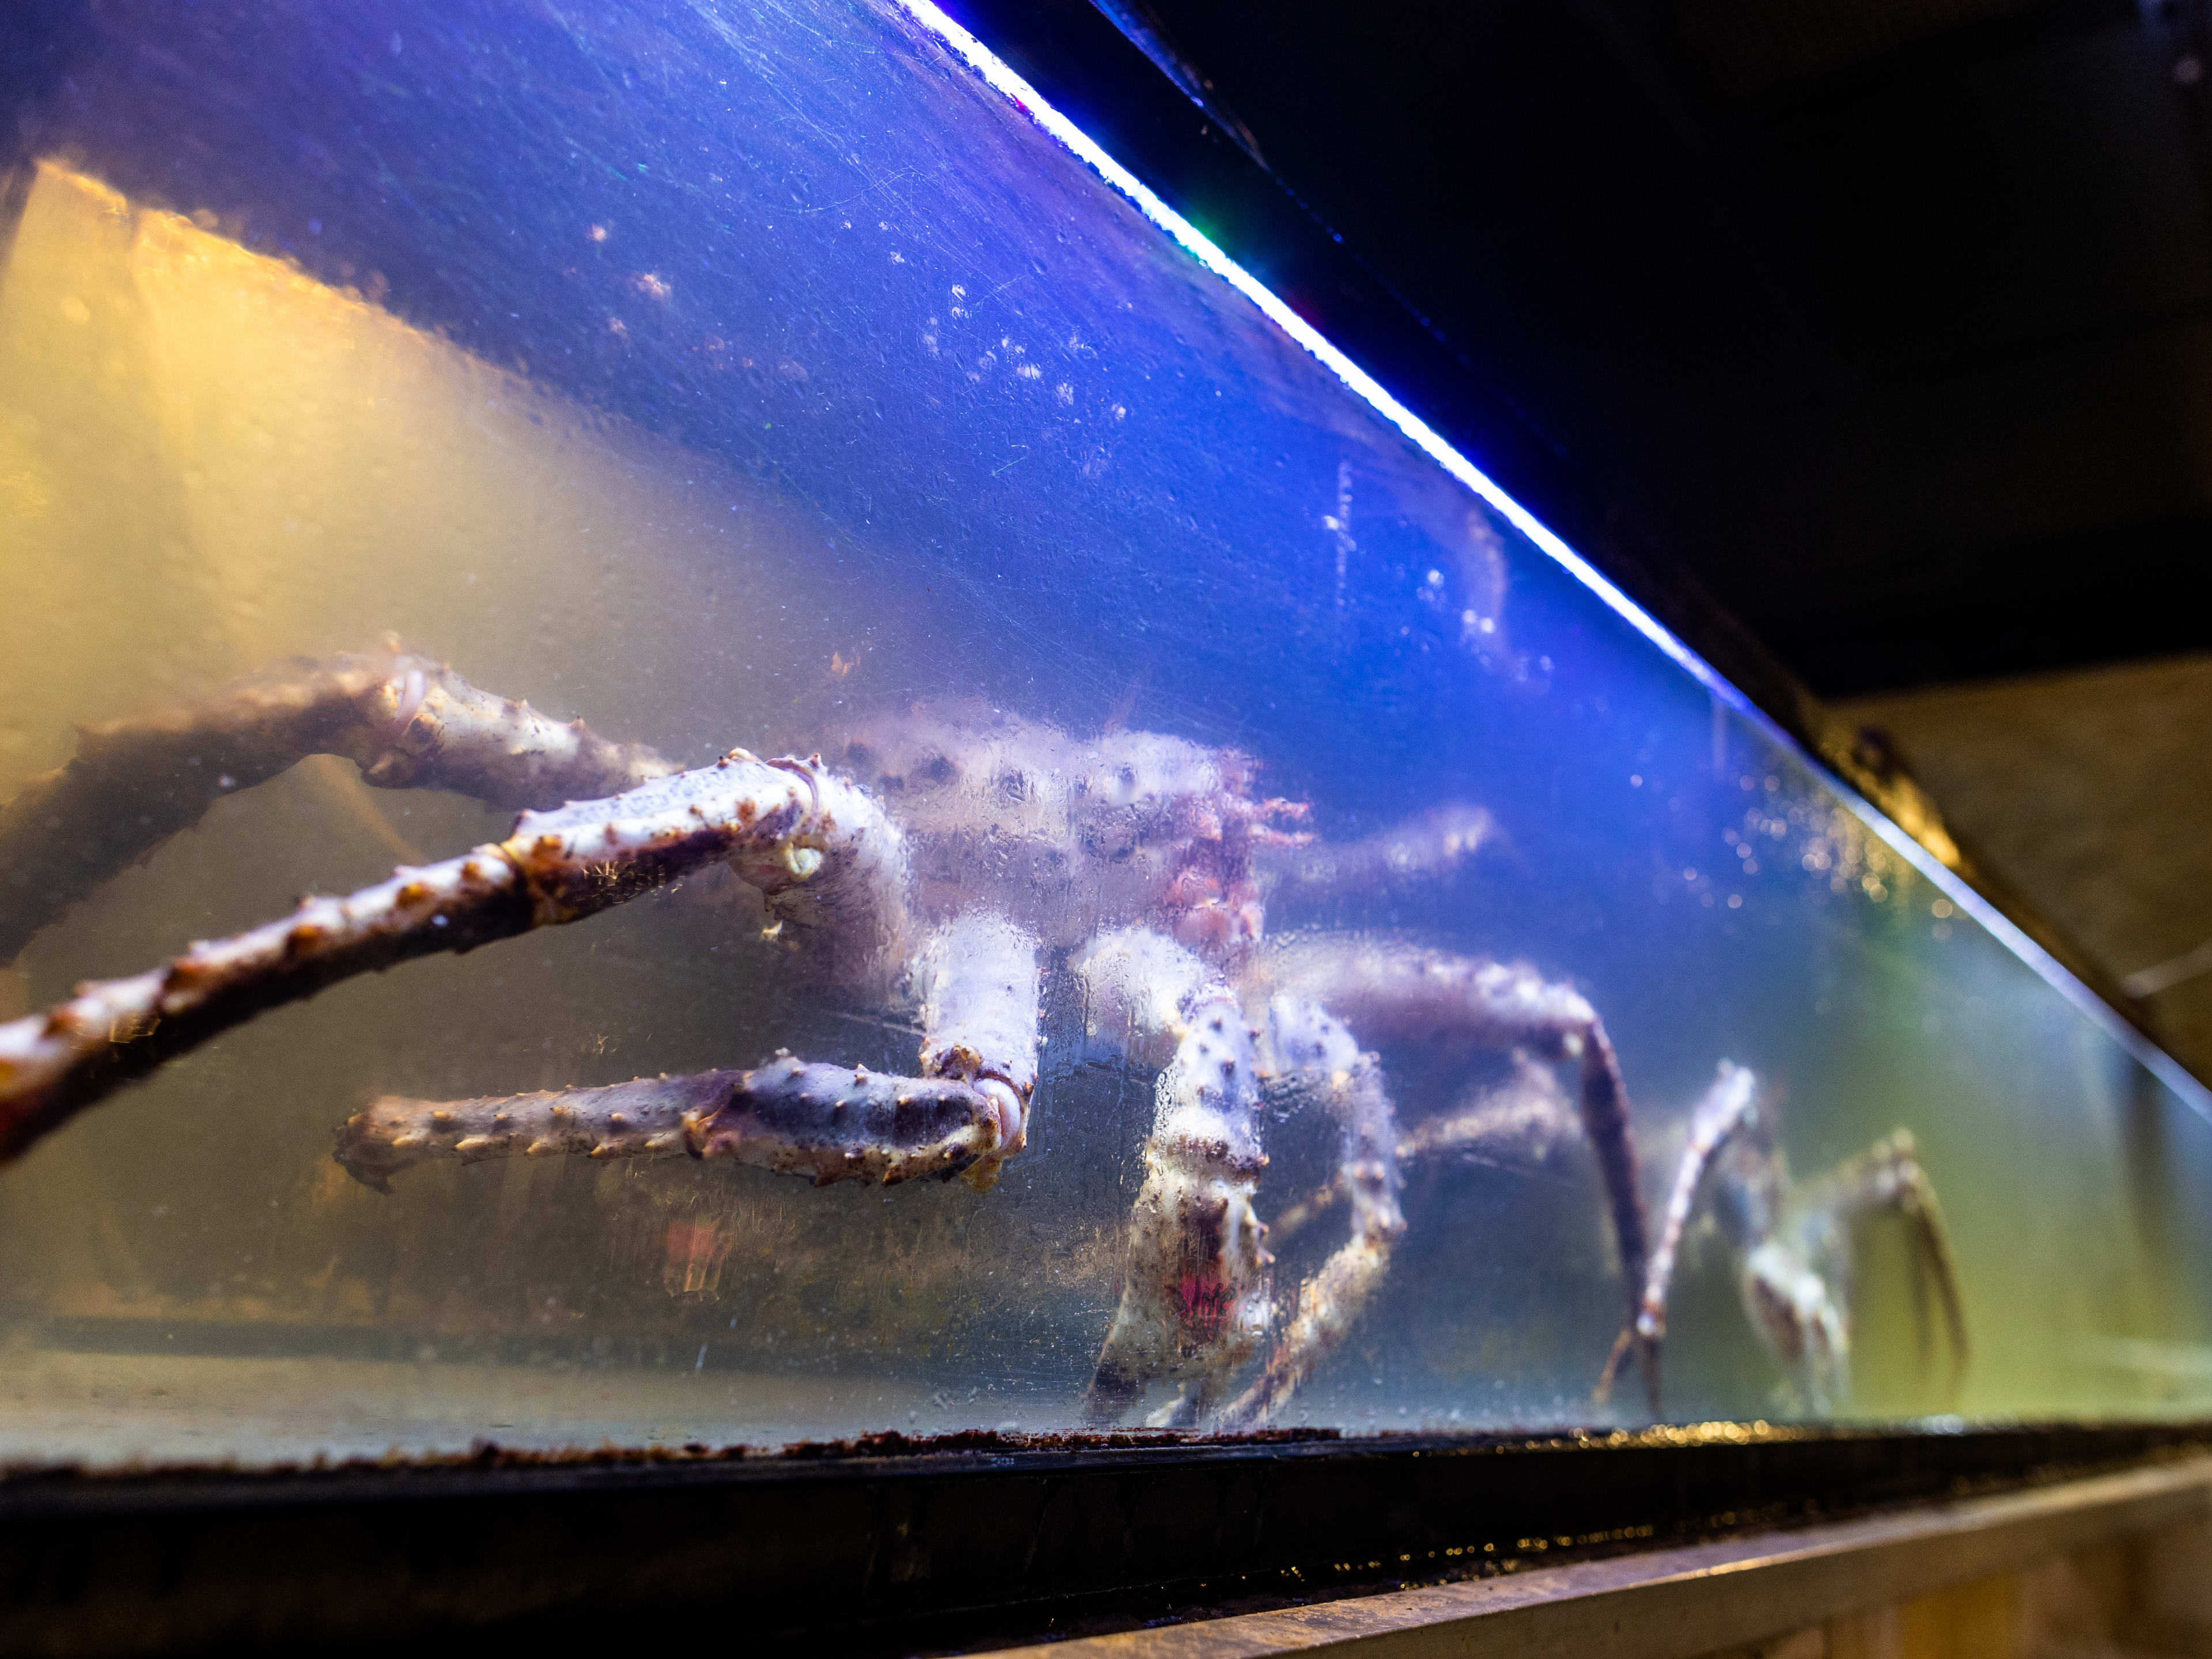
{"x":1730,"y":1107}
{"x":1527,"y":1114}
{"x":1895,"y":1180}
{"x":819,"y":1120}
{"x":406,"y":721}
{"x":1524,"y":1114}
{"x":819,"y":850}
{"x":1385,"y":990}
{"x":1303,"y":1042}
{"x":1427,"y":847}
{"x":1805,"y":1316}
{"x":977,"y":979}
{"x":1194,"y":1291}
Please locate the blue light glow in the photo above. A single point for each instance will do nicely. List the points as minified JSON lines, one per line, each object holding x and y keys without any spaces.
{"x":1001,"y":78}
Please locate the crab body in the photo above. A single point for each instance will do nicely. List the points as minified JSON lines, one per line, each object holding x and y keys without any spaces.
{"x":1070,"y":837}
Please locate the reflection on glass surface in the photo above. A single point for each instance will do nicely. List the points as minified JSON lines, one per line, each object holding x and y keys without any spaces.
{"x":1233,"y":933}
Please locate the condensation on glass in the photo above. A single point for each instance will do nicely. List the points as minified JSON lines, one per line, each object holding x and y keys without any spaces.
{"x":1109,"y":889}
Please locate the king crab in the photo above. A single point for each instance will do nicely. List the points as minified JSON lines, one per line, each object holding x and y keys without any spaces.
{"x":945,"y":864}
{"x":1793,"y":1244}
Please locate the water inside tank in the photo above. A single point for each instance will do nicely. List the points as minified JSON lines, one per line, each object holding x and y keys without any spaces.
{"x":1171,"y":806}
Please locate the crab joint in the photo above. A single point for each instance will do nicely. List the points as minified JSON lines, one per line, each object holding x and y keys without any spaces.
{"x":977,"y":979}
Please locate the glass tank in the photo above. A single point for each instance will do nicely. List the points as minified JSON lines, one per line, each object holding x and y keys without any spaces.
{"x":988,"y":836}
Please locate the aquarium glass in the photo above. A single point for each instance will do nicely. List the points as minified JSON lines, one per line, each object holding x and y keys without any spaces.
{"x":1221,"y":783}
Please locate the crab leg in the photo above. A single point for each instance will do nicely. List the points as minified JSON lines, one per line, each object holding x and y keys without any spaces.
{"x":1303,"y":1041}
{"x":1730,"y":1106}
{"x":1428,"y":846}
{"x":819,"y":1120}
{"x":1194,"y":1287}
{"x":966,"y":1114}
{"x":1524,"y":1114}
{"x":977,"y":978}
{"x":1887,"y":1178}
{"x":404,"y":720}
{"x":821,"y":853}
{"x":1385,"y":990}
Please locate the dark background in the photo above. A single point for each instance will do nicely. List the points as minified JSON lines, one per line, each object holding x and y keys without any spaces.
{"x":1887,"y":319}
